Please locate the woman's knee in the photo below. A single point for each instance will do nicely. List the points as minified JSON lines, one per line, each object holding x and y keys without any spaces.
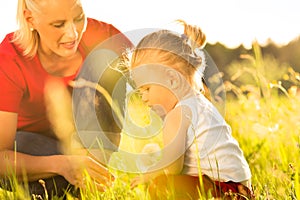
{"x":36,"y":144}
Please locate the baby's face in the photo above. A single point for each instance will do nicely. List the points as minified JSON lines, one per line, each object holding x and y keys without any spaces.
{"x":156,"y":95}
{"x":160,"y":85}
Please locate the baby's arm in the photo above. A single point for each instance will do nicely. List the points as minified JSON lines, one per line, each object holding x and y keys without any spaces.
{"x":172,"y":156}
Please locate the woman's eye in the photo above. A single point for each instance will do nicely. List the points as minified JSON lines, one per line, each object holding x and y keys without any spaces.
{"x":59,"y":25}
{"x":79,"y":19}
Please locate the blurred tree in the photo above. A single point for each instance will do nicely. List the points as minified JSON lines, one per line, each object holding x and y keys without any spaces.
{"x":287,"y":55}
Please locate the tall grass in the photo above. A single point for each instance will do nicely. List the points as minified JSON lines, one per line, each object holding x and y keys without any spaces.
{"x":264,"y":116}
{"x":267,"y":126}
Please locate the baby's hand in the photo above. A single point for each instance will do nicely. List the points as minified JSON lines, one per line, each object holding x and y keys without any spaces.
{"x":142,"y":179}
{"x":151,"y":154}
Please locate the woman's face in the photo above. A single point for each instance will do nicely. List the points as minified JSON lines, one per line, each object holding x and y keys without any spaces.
{"x":60,"y":24}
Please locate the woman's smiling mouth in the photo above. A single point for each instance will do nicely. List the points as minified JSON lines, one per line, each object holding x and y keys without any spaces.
{"x":68,"y":45}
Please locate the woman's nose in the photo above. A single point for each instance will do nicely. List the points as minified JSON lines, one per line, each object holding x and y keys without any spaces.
{"x":71,"y":31}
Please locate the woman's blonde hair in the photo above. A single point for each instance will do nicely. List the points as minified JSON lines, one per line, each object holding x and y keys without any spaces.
{"x":25,"y":36}
{"x":181,"y":52}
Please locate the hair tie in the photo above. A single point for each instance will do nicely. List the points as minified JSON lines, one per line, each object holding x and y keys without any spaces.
{"x":184,"y":37}
{"x":198,"y":52}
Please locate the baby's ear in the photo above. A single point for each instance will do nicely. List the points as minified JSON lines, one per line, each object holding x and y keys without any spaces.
{"x":173,"y":78}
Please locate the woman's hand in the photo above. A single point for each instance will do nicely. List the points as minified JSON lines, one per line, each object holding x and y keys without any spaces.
{"x":76,"y":169}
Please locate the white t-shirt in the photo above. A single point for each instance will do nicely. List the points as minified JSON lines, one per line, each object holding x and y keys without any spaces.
{"x":210,"y":143}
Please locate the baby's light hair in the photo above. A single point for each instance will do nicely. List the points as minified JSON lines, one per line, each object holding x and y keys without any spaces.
{"x":181,"y":52}
{"x":194,"y":34}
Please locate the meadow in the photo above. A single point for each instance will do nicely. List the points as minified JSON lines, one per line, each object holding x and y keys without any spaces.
{"x":266,"y":122}
{"x":264,"y":118}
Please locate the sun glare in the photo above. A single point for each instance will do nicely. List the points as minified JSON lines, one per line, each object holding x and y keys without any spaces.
{"x":230,"y":22}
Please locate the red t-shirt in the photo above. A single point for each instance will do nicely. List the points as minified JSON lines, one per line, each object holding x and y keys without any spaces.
{"x":22,"y":80}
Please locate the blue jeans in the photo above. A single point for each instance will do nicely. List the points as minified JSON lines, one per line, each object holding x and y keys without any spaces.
{"x":40,"y":145}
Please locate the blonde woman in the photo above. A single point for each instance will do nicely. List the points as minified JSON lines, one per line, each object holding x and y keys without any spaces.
{"x":167,"y":70}
{"x":52,"y":42}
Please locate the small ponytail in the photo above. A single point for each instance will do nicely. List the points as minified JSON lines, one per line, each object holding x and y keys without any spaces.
{"x":196,"y":39}
{"x":194,"y":35}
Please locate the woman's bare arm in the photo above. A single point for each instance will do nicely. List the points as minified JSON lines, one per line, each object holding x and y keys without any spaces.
{"x":38,"y":167}
{"x":13,"y":162}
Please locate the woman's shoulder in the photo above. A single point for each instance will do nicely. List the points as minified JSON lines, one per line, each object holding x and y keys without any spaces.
{"x":8,"y":48}
{"x":94,"y":25}
{"x":98,"y":32}
{"x":11,"y":58}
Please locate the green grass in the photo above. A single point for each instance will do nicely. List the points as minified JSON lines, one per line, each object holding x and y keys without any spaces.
{"x":268,"y":132}
{"x":266,"y":125}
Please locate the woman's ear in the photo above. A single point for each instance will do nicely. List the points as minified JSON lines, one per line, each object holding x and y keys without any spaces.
{"x":28,"y":17}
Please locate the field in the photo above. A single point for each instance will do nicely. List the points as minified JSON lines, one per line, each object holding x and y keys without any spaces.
{"x":264,"y":118}
{"x":268,"y":129}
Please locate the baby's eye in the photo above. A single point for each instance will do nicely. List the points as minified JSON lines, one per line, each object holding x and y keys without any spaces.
{"x":144,"y":89}
{"x":140,"y":92}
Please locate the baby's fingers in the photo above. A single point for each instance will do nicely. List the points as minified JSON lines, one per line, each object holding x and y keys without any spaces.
{"x":135,"y":182}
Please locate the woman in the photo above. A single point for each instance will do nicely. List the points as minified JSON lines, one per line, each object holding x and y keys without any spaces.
{"x":52,"y":42}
